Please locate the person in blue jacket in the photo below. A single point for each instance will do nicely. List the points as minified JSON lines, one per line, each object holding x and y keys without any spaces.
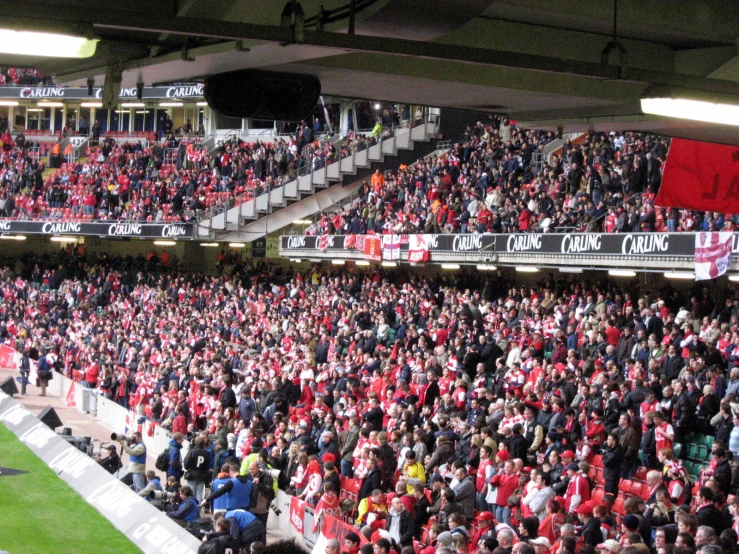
{"x":174,"y":467}
{"x":250,"y":528}
{"x":188,"y":510}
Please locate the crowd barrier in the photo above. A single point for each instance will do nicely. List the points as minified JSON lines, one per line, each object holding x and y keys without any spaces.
{"x":144,"y":525}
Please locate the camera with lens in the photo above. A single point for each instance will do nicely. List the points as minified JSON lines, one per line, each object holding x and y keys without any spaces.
{"x":274,"y":473}
{"x":120,"y":438}
{"x":162,"y":495}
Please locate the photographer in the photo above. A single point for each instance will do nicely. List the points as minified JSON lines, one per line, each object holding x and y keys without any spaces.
{"x":197,"y":472}
{"x":250,"y":529}
{"x":153,"y":484}
{"x":221,"y":541}
{"x":112,"y":462}
{"x":262,"y":492}
{"x":136,"y":450}
{"x":188,"y":510}
{"x":238,"y":490}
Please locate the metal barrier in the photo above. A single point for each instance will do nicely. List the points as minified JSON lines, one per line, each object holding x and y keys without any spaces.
{"x":169,"y":155}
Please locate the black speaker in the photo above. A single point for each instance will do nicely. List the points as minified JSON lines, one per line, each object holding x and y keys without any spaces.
{"x":49,"y":418}
{"x":262,"y":94}
{"x":9,"y":387}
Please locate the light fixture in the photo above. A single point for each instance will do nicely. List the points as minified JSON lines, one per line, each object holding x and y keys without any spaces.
{"x":170,"y":104}
{"x":209,"y":244}
{"x":142,"y":112}
{"x":236,"y":244}
{"x":302,"y":222}
{"x":680,"y":275}
{"x":47,"y":104}
{"x":8,"y":103}
{"x":696,"y":110}
{"x":63,"y":239}
{"x":338,"y":262}
{"x":165,"y":242}
{"x":296,"y":260}
{"x":378,"y":105}
{"x":486,"y":267}
{"x":13,"y":237}
{"x":449,"y":266}
{"x":527,"y":269}
{"x":570,"y":270}
{"x":389,"y":264}
{"x":621,"y":273}
{"x":51,"y":45}
{"x":121,"y":111}
{"x":201,"y":104}
{"x":91,"y":104}
{"x":734,"y":278}
{"x":361,"y":262}
{"x":133,"y":105}
{"x":33,"y":109}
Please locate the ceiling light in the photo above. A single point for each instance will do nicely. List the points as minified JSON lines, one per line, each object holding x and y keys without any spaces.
{"x":208,"y":244}
{"x":527,"y":269}
{"x":52,"y":45}
{"x":63,"y":239}
{"x":302,"y":222}
{"x":8,"y":103}
{"x":449,"y":266}
{"x":236,"y":244}
{"x":570,"y":270}
{"x":389,"y":264}
{"x":378,"y":106}
{"x":13,"y":237}
{"x":486,"y":267}
{"x":296,"y":260}
{"x":170,"y":104}
{"x":133,"y":105}
{"x":621,"y":273}
{"x":696,"y":110}
{"x":45,"y":104}
{"x":680,"y":275}
{"x":91,"y":104}
{"x":142,"y":112}
{"x":361,"y":262}
{"x":338,"y":262}
{"x":734,"y":278}
{"x":165,"y":242}
{"x":201,"y":104}
{"x":33,"y":109}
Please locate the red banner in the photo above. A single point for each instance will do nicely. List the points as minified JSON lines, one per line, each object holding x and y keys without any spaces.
{"x":335,"y":528}
{"x":701,"y":176}
{"x":70,"y":400}
{"x":297,"y":513}
{"x":6,"y":356}
{"x":373,"y":248}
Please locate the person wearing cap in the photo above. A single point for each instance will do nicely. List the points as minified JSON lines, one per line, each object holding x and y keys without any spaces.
{"x":485,"y":529}
{"x":541,"y":545}
{"x":610,"y":547}
{"x":590,"y":532}
{"x":578,"y":488}
{"x":112,"y":462}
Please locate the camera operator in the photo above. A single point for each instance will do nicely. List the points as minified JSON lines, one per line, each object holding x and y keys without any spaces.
{"x":153,"y":484}
{"x":262,"y":492}
{"x":112,"y":462}
{"x":197,"y":468}
{"x":249,"y":527}
{"x":238,"y":490}
{"x":221,"y":541}
{"x":188,"y":510}
{"x":136,"y":450}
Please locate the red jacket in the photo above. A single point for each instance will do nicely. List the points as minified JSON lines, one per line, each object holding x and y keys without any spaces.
{"x":506,"y":484}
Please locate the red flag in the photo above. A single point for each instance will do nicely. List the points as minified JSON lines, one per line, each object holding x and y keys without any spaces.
{"x":329,"y":505}
{"x":701,"y":176}
{"x":373,"y":248}
{"x":6,"y":356}
{"x":297,"y":514}
{"x":70,"y":400}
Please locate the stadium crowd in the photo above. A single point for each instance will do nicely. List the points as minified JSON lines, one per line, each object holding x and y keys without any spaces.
{"x":490,"y":182}
{"x":441,"y":414}
{"x":171,"y":180}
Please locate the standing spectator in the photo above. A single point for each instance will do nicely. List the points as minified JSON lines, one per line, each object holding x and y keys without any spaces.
{"x":197,"y":465}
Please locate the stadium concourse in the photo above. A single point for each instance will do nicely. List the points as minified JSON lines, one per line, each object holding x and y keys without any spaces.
{"x":435,"y":412}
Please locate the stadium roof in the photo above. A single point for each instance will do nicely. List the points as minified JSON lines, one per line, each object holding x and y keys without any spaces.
{"x":539,"y":62}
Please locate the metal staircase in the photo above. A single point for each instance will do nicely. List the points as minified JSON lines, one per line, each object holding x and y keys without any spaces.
{"x":313,"y":190}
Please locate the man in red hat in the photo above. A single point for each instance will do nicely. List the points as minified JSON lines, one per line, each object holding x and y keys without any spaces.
{"x":590,"y":533}
{"x":486,"y":530}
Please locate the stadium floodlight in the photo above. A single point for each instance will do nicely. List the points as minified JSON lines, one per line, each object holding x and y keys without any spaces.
{"x":91,"y":104}
{"x":13,"y":237}
{"x":621,"y":273}
{"x":680,"y":275}
{"x":48,"y":45}
{"x":486,"y":267}
{"x":389,"y":264}
{"x":695,"y":110}
{"x":734,"y":278}
{"x":63,"y":239}
{"x":209,"y":244}
{"x":361,"y":262}
{"x":450,"y":266}
{"x":236,"y":245}
{"x":570,"y":270}
{"x":527,"y":269}
{"x":8,"y":103}
{"x":338,"y":262}
{"x":47,"y":104}
{"x":165,"y":242}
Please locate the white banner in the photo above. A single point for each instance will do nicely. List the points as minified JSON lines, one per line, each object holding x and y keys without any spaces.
{"x":712,"y":255}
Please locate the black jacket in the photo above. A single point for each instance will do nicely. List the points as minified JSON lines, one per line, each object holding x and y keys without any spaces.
{"x":684,"y":412}
{"x":228,"y":398}
{"x":219,"y":543}
{"x":612,"y":460}
{"x":196,"y":463}
{"x":372,"y":481}
{"x":591,"y":532}
{"x":422,"y":515}
{"x":407,"y":527}
{"x":722,"y":476}
{"x":712,"y":516}
{"x":518,"y":447}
